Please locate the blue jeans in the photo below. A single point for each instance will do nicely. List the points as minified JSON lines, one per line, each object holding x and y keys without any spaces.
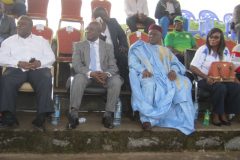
{"x":164,"y":22}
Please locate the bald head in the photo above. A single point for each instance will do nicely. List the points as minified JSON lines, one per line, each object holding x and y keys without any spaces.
{"x":24,"y":26}
{"x":100,"y":12}
{"x":93,"y":31}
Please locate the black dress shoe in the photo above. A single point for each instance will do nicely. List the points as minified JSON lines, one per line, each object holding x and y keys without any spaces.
{"x":108,"y":122}
{"x":226,"y":123}
{"x":38,"y":127}
{"x":217,"y":123}
{"x":38,"y":122}
{"x":1,"y":117}
{"x":72,"y":121}
{"x":8,"y":120}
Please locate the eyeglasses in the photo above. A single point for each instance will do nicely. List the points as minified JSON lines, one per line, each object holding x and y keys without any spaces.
{"x":214,"y":37}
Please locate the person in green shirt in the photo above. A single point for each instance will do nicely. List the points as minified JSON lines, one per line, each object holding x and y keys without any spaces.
{"x":179,"y":40}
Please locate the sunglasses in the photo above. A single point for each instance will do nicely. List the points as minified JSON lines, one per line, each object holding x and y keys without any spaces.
{"x":214,"y":37}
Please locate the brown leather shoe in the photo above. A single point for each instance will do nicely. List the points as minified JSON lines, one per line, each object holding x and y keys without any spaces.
{"x":146,"y":126}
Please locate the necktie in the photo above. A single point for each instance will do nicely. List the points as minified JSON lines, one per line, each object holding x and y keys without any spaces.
{"x":93,"y":65}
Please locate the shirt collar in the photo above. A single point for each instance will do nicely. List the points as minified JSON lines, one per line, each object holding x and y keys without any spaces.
{"x":30,"y":36}
{"x":95,"y":42}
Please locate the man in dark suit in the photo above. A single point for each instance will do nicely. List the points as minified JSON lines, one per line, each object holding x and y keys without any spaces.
{"x":94,"y":62}
{"x":112,"y":33}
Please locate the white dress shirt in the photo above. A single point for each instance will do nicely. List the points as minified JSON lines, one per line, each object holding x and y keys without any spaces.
{"x":16,"y":48}
{"x":132,"y":7}
{"x":98,"y":65}
{"x":170,"y":8}
{"x":95,"y":44}
{"x":108,"y":35}
{"x":96,"y":47}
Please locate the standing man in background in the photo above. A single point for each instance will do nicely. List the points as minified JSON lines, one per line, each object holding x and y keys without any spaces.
{"x":137,"y":12}
{"x":113,"y":34}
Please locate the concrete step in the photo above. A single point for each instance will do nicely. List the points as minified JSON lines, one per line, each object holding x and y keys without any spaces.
{"x":92,"y":137}
{"x":127,"y":156}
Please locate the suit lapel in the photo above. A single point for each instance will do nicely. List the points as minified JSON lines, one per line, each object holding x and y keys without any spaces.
{"x":101,"y":52}
{"x":87,"y":53}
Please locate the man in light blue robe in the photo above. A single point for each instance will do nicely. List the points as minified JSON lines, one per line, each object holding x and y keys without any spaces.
{"x":160,"y":91}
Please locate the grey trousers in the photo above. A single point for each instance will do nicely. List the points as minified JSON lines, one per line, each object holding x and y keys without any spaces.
{"x":81,"y":81}
{"x":13,"y":78}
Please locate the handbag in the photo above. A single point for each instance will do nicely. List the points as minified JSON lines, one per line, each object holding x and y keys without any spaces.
{"x":222,"y":71}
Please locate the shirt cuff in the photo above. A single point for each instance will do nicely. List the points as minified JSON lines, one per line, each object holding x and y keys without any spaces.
{"x":88,"y":74}
{"x":108,"y":74}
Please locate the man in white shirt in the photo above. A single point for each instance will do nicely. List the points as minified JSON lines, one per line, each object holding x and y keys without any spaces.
{"x":94,"y":63}
{"x":28,"y":58}
{"x":137,"y":12}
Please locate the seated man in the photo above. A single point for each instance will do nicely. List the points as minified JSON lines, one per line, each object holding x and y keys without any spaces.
{"x":137,"y":12}
{"x":7,"y":25}
{"x":94,"y":63}
{"x":179,"y":40}
{"x":160,"y":91}
{"x":28,"y":59}
{"x":113,"y":34}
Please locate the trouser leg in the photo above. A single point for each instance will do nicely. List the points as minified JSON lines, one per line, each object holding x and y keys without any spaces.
{"x":11,"y":81}
{"x":131,"y":22}
{"x":41,"y":81}
{"x":232,"y":104}
{"x":78,"y":86}
{"x":218,"y":93}
{"x":147,"y":23}
{"x":113,"y":91}
{"x":164,"y":23}
{"x":122,"y":63}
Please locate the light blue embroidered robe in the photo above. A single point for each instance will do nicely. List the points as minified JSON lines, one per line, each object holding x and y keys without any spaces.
{"x":160,"y":101}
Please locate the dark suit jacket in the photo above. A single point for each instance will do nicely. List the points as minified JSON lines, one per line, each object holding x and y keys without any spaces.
{"x":161,"y":7}
{"x":81,"y":57}
{"x":117,"y":35}
{"x":7,"y":27}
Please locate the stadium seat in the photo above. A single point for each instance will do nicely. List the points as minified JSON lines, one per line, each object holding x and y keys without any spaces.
{"x":71,"y":12}
{"x":200,"y":41}
{"x":134,"y":36}
{"x":190,"y":17}
{"x":65,"y":38}
{"x":227,"y":19}
{"x":206,"y":21}
{"x":44,"y":31}
{"x":230,"y":44}
{"x":101,"y":3}
{"x":37,"y":9}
